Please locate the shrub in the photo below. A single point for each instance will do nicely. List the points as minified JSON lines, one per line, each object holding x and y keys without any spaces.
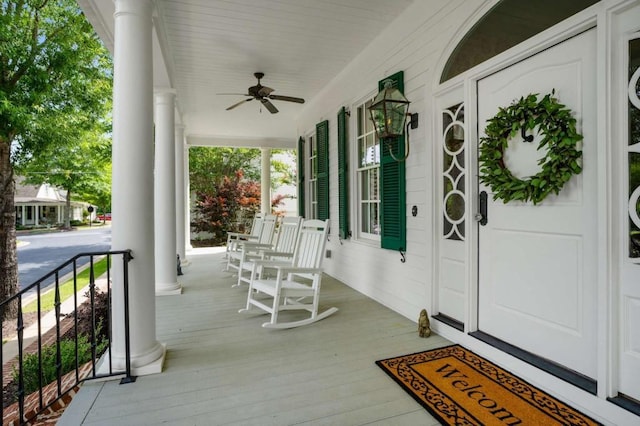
{"x":223,"y":210}
{"x":49,"y":371}
{"x":102,"y":308}
{"x":68,"y":345}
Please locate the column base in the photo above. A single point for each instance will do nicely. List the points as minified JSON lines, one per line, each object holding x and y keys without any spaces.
{"x":168,"y":289}
{"x":153,"y":367}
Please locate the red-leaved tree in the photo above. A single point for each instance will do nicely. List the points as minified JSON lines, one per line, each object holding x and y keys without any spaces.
{"x":227,"y":207}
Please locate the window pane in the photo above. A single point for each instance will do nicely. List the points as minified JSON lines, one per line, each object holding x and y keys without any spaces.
{"x":509,"y":23}
{"x":375,"y":184}
{"x":364,"y":219}
{"x":364,"y":191}
{"x":368,"y":170}
{"x":375,"y":218}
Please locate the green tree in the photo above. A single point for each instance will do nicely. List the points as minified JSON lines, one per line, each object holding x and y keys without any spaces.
{"x":97,"y":191}
{"x":55,"y":81}
{"x":81,"y":168}
{"x":208,"y":166}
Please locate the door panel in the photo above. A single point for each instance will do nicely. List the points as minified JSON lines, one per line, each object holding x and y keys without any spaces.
{"x":629,"y":376}
{"x":537,"y":264}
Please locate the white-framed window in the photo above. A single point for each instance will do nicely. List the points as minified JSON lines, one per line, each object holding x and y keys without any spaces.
{"x":312,"y":182}
{"x":367,"y":174}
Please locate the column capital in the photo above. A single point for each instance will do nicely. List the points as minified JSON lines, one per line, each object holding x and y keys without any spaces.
{"x":142,"y":8}
{"x":164,"y":96}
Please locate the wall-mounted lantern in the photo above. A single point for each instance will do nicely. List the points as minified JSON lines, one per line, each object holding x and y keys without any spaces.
{"x":389,"y":112}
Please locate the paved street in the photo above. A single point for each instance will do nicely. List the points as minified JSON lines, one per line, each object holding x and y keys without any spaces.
{"x":45,"y":252}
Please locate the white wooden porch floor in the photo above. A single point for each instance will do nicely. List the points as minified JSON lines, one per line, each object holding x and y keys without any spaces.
{"x":222,"y":367}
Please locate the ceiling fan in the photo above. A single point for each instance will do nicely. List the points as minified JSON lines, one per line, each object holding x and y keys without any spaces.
{"x":263,"y":94}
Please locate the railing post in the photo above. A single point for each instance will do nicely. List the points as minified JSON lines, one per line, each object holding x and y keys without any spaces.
{"x":57,"y":304}
{"x":92,"y":299}
{"x":24,"y":381}
{"x":109,"y":315}
{"x":127,"y":257}
{"x":20,"y":328}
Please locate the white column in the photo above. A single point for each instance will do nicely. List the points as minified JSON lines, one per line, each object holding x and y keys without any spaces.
{"x":165,"y":195}
{"x":24,"y":216}
{"x":180,"y":195}
{"x":187,"y":191}
{"x":132,"y":186}
{"x":265,"y":181}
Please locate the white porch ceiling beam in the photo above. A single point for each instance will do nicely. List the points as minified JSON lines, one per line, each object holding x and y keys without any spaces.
{"x":235,"y":142}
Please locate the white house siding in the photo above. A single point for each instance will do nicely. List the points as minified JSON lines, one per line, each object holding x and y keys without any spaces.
{"x":414,"y":43}
{"x":418,"y":43}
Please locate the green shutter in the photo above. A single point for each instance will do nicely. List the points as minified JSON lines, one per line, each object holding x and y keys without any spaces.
{"x":301,"y":177}
{"x":392,"y":186}
{"x":322,"y":141}
{"x":343,"y":189}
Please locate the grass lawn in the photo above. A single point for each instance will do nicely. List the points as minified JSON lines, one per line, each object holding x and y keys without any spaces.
{"x":47,"y":299}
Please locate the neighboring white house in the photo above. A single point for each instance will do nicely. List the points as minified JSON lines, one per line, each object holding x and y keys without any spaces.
{"x":550,"y":291}
{"x":43,"y":205}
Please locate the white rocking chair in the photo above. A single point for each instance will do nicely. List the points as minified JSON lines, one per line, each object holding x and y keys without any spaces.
{"x":265,"y":238}
{"x":297,"y":282}
{"x":282,"y":249}
{"x":234,"y":237}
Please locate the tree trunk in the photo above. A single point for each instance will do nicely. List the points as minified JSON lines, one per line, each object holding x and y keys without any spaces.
{"x":67,"y":211}
{"x":8,"y":257}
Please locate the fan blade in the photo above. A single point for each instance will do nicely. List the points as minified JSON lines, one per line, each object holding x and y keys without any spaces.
{"x":272,"y":109}
{"x":286,"y":98}
{"x":234,"y":94}
{"x":239,"y":103}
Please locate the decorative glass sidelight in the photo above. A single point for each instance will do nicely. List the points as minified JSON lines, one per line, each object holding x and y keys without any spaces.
{"x":453,"y":175}
{"x":634,"y":149}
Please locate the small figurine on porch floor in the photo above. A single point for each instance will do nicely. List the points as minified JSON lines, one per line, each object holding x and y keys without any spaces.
{"x":179,"y":272}
{"x":424,"y":326}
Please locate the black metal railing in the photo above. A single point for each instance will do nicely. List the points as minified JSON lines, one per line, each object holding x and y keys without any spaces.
{"x":62,"y":332}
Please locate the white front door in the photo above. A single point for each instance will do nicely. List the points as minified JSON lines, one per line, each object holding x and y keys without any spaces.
{"x":537,"y":263}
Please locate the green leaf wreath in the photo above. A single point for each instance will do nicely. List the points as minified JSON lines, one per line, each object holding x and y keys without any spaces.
{"x":558,"y":126}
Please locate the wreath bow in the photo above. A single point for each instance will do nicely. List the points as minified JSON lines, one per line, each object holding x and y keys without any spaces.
{"x":558,"y":127}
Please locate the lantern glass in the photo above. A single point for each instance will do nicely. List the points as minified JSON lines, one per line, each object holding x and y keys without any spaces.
{"x":388,"y":112}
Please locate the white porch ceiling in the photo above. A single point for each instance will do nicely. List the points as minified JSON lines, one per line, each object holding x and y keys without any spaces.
{"x":214,"y":46}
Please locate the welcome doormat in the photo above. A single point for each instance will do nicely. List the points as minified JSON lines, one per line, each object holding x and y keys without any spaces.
{"x":459,"y":387}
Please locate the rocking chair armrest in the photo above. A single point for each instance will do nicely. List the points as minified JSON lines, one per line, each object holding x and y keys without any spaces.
{"x":250,"y":245}
{"x":274,"y":253}
{"x":271,"y":263}
{"x":251,"y":257}
{"x":297,"y":270}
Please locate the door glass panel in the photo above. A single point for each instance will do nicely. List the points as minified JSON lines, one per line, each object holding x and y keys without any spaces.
{"x":453,"y":171}
{"x":634,"y":148}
